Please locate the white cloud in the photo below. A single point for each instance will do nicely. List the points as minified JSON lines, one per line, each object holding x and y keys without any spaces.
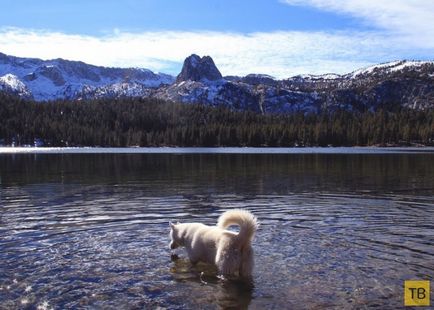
{"x":281,"y":54}
{"x":413,"y":19}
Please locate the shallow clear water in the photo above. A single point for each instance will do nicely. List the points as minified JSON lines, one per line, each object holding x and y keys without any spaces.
{"x":91,"y":230}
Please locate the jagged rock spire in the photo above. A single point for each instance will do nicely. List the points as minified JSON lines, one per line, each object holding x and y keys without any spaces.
{"x":196,"y":68}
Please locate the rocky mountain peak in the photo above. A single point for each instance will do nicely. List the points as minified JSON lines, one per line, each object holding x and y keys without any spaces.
{"x":10,"y":83}
{"x":408,"y":84}
{"x":196,"y":68}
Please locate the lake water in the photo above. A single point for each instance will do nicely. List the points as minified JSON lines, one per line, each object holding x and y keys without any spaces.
{"x":339,"y":230}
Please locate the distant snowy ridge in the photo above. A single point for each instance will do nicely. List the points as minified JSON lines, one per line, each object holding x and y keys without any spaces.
{"x":59,"y":78}
{"x":399,"y":83}
{"x":389,"y":67}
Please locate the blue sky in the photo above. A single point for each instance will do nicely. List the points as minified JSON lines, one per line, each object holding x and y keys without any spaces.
{"x":278,"y":37}
{"x":98,"y":17}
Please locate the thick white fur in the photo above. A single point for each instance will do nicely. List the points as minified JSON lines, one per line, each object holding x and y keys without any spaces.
{"x":231,"y":252}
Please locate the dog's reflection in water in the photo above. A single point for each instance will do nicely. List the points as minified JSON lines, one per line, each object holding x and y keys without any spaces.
{"x":229,"y":293}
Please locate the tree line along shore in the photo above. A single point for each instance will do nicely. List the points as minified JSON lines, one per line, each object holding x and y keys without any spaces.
{"x":151,"y":122}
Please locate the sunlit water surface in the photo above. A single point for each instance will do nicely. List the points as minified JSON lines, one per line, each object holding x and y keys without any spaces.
{"x":337,"y":231}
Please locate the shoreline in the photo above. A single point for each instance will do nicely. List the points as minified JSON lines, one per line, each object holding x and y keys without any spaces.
{"x":218,"y":150}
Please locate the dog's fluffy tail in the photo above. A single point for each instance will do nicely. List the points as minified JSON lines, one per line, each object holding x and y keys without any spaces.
{"x":243,"y":218}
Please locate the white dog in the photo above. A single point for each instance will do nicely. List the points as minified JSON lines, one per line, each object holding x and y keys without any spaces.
{"x":232,"y":253}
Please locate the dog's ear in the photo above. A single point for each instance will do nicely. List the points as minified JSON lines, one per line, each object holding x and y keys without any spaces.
{"x":171,"y":225}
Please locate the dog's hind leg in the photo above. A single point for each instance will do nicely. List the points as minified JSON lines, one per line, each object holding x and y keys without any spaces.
{"x":246,"y":267}
{"x":228,"y":262}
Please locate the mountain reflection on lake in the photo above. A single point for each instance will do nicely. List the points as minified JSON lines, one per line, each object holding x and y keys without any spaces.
{"x":91,"y":230}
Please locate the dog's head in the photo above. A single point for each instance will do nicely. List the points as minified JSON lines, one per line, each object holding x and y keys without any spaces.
{"x":174,"y":236}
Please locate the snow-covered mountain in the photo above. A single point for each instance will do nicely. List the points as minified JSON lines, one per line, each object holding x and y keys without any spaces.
{"x":400,"y":83}
{"x":59,"y":78}
{"x":12,"y":84}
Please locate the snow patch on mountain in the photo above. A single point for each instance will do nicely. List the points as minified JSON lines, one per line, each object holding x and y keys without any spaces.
{"x":11,"y":83}
{"x":410,"y":64}
{"x":389,"y":67}
{"x":327,"y":76}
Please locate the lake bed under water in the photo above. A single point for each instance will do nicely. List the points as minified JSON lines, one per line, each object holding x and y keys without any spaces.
{"x":338,"y":230}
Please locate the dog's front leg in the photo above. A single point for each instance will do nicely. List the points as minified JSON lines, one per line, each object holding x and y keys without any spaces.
{"x":194,"y":259}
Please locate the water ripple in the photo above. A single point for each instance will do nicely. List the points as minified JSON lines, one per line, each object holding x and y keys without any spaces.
{"x":105,"y":245}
